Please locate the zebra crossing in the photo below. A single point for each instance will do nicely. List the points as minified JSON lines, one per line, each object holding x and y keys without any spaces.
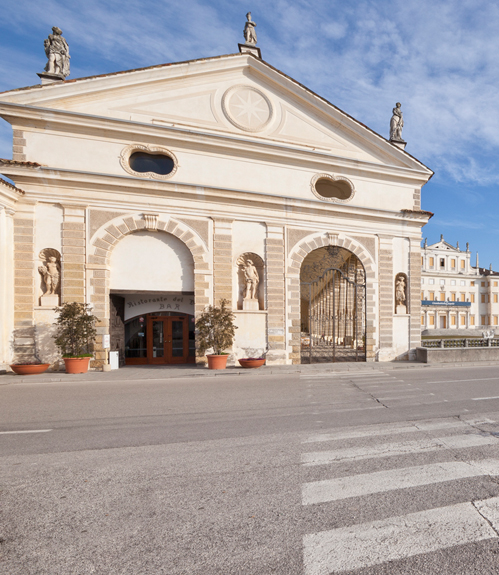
{"x":388,"y":388}
{"x":464,"y":449}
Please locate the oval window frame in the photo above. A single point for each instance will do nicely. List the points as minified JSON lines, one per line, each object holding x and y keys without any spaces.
{"x":318,"y":177}
{"x":153,"y":150}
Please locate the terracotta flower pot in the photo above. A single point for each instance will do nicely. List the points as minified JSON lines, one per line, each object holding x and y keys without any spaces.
{"x":251,"y":363}
{"x":76,"y":364}
{"x":30,"y":369}
{"x":217,"y":361}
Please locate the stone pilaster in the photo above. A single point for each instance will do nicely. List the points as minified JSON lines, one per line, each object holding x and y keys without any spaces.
{"x":386,"y":293}
{"x":18,"y":145}
{"x":73,"y":255}
{"x":24,"y":282}
{"x":415,"y":297}
{"x":6,"y":283}
{"x":417,"y":201}
{"x":276,"y":294}
{"x":222,"y":261}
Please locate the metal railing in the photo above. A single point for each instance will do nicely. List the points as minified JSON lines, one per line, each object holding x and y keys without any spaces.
{"x":458,"y":343}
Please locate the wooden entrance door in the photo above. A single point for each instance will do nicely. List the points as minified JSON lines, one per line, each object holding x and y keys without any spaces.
{"x":167,"y":339}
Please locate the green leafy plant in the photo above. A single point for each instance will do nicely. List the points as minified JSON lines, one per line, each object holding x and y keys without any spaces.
{"x":75,"y":329}
{"x":215,"y":328}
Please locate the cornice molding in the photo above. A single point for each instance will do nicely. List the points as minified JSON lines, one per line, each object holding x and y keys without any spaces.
{"x":258,"y":148}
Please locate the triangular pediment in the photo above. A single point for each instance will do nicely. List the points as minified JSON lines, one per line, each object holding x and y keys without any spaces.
{"x":236,"y":94}
{"x":443,"y":245}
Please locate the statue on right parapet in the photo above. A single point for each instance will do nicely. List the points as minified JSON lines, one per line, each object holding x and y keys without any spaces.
{"x":249,"y":30}
{"x":57,"y":51}
{"x":396,"y":124}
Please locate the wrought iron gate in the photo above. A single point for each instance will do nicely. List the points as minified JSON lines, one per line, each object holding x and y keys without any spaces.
{"x":333,"y":314}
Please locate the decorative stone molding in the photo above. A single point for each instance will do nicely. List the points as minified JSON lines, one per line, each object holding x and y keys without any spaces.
{"x":317,"y":177}
{"x":151,"y":221}
{"x":247,"y":108}
{"x":132,"y":148}
{"x":332,"y":237}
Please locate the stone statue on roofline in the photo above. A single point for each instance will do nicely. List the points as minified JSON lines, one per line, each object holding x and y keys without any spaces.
{"x":249,"y":30}
{"x":57,"y":51}
{"x":396,"y":124}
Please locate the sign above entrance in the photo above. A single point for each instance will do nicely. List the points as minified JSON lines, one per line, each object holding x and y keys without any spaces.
{"x":141,"y":304}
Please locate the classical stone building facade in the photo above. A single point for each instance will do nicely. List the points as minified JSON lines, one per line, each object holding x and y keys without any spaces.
{"x":455,"y":295}
{"x":152,"y":193}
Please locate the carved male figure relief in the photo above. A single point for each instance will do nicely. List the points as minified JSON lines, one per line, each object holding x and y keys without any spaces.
{"x":249,"y":30}
{"x":252,"y":280}
{"x":57,"y":51}
{"x":51,"y":273}
{"x":397,"y":123}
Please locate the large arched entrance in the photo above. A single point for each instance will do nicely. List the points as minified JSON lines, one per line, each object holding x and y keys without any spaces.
{"x":152,"y":280}
{"x":332,"y":306}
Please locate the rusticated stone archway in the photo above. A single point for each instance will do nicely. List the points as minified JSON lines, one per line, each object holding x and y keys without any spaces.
{"x":295,"y":259}
{"x":99,"y":263}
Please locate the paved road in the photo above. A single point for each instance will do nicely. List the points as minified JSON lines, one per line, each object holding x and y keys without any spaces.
{"x":366,"y":472}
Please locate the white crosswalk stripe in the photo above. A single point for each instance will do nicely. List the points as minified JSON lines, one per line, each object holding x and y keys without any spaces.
{"x":401,"y":448}
{"x":402,"y":536}
{"x":398,"y":537}
{"x":382,"y":481}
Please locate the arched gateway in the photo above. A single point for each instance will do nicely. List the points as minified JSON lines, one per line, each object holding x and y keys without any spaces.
{"x":332,"y":306}
{"x":149,"y":274}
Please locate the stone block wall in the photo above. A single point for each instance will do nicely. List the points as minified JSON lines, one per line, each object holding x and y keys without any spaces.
{"x":222,"y":261}
{"x":275,"y":294}
{"x":386,"y":292}
{"x":24,"y":282}
{"x":414,"y":297}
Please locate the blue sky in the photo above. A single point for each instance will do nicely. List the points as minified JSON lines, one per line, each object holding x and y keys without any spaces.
{"x":438,"y":58}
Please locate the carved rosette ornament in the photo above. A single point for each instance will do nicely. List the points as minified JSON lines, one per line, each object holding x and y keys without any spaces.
{"x":248,"y":108}
{"x":401,"y":300}
{"x":250,"y":275}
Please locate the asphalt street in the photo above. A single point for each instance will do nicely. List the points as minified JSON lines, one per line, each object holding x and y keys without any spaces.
{"x":385,"y":471}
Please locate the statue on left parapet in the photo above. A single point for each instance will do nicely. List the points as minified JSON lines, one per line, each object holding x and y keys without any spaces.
{"x":57,"y":51}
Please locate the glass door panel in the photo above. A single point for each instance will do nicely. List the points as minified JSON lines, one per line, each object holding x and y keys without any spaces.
{"x":177,"y":339}
{"x":158,"y":340}
{"x":136,"y":341}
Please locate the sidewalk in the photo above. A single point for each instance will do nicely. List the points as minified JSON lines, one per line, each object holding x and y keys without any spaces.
{"x":156,"y":372}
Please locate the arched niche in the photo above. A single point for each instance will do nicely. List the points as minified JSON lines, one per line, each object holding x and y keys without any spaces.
{"x":246,"y":278}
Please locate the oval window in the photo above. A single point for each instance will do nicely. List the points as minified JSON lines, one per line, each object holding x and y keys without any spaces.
{"x":157,"y":163}
{"x":327,"y":188}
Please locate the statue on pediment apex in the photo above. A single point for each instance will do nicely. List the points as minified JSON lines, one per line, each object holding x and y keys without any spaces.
{"x":249,"y":30}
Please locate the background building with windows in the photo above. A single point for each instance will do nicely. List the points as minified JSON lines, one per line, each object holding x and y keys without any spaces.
{"x":454,"y":293}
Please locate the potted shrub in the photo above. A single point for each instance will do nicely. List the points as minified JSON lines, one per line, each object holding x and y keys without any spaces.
{"x":215,"y":330}
{"x":75,"y":335}
{"x":29,"y":368}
